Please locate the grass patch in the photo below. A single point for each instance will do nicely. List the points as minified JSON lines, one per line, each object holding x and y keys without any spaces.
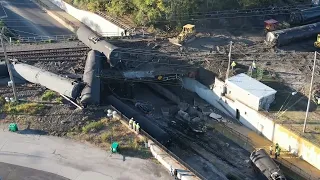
{"x":28,"y":108}
{"x":105,"y":131}
{"x":93,"y":126}
{"x":59,"y":100}
{"x":49,"y":95}
{"x":106,"y":136}
{"x":2,"y":100}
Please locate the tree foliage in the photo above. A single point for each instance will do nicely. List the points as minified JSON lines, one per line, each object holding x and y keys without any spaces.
{"x":150,"y":12}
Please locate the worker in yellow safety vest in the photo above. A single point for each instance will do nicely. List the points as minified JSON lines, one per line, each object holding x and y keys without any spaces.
{"x":130,"y":123}
{"x":138,"y":128}
{"x":134,"y":125}
{"x":233,"y":64}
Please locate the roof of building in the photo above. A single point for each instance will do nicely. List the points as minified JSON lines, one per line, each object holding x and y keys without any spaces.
{"x":252,"y":86}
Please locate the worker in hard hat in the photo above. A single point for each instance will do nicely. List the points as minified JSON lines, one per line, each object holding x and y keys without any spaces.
{"x":130,"y":123}
{"x":138,"y":128}
{"x":271,"y":149}
{"x":134,"y":125}
{"x":233,"y":64}
{"x":277,"y":146}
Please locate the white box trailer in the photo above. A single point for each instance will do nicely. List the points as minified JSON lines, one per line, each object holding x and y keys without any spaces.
{"x":250,"y":92}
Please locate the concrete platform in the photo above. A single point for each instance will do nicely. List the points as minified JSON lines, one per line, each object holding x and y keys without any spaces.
{"x":170,"y":163}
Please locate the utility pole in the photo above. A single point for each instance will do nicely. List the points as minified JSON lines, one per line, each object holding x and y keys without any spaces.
{"x":227,"y":74}
{"x":8,"y":64}
{"x":309,"y":99}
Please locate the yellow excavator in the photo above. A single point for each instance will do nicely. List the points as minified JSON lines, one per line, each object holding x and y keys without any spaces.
{"x":317,"y":43}
{"x":187,"y":35}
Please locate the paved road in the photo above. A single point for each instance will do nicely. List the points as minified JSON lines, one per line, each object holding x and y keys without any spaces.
{"x":74,"y":160}
{"x":13,"y":172}
{"x":27,"y":19}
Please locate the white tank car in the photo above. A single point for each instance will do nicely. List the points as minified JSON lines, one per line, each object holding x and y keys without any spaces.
{"x":62,"y":85}
{"x":95,"y":42}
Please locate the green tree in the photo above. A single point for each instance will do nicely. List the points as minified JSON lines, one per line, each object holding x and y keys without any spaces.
{"x":149,"y":11}
{"x":119,"y":7}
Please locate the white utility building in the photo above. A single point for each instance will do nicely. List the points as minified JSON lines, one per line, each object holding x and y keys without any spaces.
{"x":250,"y":92}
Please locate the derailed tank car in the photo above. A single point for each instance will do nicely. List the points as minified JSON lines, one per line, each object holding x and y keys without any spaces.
{"x":266,"y":165}
{"x":305,"y":16}
{"x":3,"y":69}
{"x":287,"y":36}
{"x":145,"y":124}
{"x":96,"y":42}
{"x":65,"y":86}
{"x":91,"y":92}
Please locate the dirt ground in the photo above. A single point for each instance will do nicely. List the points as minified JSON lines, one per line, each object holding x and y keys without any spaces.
{"x":286,"y":69}
{"x":58,"y":117}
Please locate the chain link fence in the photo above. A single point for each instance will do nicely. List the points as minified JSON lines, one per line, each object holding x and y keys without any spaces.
{"x":43,"y":39}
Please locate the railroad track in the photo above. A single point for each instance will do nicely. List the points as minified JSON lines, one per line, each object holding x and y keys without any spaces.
{"x":201,"y":147}
{"x":64,"y":54}
{"x":24,"y":89}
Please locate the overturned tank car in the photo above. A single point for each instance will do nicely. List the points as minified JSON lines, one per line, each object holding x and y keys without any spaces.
{"x":305,"y":16}
{"x":287,"y":36}
{"x":96,"y":42}
{"x":3,"y":69}
{"x":62,"y":85}
{"x":91,"y":92}
{"x":266,"y":165}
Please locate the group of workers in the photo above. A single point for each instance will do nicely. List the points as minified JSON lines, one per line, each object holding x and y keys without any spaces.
{"x":133,"y":125}
{"x":277,"y":150}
